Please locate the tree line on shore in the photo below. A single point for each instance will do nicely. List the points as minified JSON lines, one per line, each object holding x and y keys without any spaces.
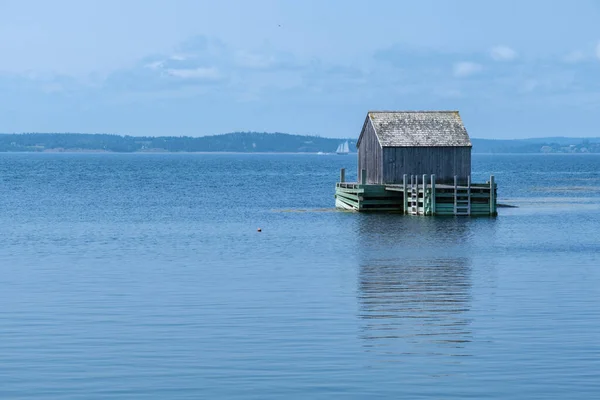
{"x":256,"y":142}
{"x":231,"y":142}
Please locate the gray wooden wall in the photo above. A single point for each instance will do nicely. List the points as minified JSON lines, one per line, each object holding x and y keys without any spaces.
{"x":444,"y":162}
{"x":370,"y":155}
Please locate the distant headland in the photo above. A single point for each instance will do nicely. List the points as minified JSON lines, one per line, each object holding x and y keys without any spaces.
{"x":256,"y":142}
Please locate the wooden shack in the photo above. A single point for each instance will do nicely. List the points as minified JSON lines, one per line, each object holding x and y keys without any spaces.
{"x":394,"y":143}
{"x":418,"y":163}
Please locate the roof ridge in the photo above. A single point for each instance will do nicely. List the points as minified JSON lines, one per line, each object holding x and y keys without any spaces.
{"x":433,"y":128}
{"x":413,"y":111}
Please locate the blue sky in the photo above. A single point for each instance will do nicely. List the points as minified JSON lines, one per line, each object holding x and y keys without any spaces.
{"x":190,"y":67}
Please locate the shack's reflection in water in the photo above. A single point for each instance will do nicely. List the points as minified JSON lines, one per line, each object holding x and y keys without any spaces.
{"x":414,"y":286}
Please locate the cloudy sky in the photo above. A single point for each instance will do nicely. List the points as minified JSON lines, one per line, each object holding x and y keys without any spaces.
{"x":193,"y":67}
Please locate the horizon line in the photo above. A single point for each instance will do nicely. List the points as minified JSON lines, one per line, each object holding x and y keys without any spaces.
{"x":268,"y":133}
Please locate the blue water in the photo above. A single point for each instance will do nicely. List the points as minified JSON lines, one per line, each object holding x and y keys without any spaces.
{"x":143,"y":276}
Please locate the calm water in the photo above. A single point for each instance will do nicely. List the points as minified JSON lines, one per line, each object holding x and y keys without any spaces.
{"x":144,"y":276}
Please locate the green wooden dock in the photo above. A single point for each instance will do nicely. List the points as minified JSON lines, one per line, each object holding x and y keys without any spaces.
{"x":418,"y":195}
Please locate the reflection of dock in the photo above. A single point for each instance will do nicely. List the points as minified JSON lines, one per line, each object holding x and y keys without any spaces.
{"x":414,"y":300}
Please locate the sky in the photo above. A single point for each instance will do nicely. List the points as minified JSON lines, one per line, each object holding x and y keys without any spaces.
{"x":513,"y":69}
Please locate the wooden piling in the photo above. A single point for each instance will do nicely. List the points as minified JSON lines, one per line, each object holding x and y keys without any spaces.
{"x":492,"y":196}
{"x":455,"y":194}
{"x":416,"y":201}
{"x":343,"y":175}
{"x":469,"y":194}
{"x":424,"y":194}
{"x":432,"y":194}
{"x":404,"y":194}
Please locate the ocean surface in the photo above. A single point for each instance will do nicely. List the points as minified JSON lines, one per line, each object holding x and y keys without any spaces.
{"x":143,"y":276}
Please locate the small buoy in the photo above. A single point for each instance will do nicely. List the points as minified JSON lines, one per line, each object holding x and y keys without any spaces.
{"x":259,"y":230}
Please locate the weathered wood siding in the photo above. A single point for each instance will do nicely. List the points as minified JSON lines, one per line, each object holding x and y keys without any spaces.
{"x":444,"y":162}
{"x":370,"y":155}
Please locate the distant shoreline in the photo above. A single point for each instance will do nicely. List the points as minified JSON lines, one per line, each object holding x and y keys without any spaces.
{"x":257,"y":143}
{"x":268,"y":153}
{"x":171,"y":152}
{"x":75,"y":151}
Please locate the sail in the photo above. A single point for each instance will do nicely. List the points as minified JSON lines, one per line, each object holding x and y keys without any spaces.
{"x":343,"y":148}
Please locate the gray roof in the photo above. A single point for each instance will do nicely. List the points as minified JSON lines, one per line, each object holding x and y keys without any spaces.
{"x":419,"y":128}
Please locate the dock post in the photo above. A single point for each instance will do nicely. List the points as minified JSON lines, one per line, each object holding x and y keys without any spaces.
{"x":492,"y":196}
{"x":412,"y":194}
{"x":342,"y":175}
{"x":404,"y":195}
{"x":469,"y":194}
{"x":455,"y":194}
{"x":432,"y":194}
{"x":416,"y":200}
{"x":363,"y":176}
{"x":424,"y":194}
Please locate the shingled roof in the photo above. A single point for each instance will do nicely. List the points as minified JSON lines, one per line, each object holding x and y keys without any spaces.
{"x":418,"y":129}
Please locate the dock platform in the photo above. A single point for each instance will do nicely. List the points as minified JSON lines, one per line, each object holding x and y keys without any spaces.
{"x":418,"y":195}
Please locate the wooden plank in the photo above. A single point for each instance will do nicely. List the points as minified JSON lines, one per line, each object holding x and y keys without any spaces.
{"x":354,"y":196}
{"x":443,"y":187}
{"x":384,"y":209}
{"x":478,"y":210}
{"x":340,"y":204}
{"x":350,"y":198}
{"x":352,"y":191}
{"x":370,"y":154}
{"x":444,"y":162}
{"x":397,"y":189}
{"x":451,"y":195}
{"x":376,"y":189}
{"x":353,"y":203}
{"x":348,"y":185}
{"x":384,"y":202}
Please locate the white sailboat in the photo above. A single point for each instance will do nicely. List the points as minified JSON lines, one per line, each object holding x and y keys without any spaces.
{"x":343,"y":148}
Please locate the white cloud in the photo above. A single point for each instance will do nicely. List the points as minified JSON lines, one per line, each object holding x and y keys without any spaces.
{"x":503,"y":53}
{"x":179,"y":57}
{"x":575,"y":57}
{"x":210,"y":74}
{"x":252,"y":60}
{"x":466,"y":68}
